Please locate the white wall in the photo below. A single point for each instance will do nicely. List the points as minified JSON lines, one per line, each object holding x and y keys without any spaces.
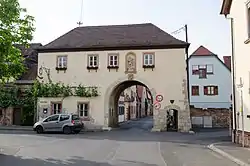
{"x":242,"y":58}
{"x":220,"y":78}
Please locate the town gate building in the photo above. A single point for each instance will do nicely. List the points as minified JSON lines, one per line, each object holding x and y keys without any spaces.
{"x":108,"y":59}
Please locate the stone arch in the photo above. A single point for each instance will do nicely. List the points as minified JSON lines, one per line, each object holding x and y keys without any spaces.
{"x":108,"y":98}
{"x":172,"y":106}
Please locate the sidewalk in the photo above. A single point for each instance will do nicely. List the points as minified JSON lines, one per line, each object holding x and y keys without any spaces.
{"x":20,"y":128}
{"x":233,"y":152}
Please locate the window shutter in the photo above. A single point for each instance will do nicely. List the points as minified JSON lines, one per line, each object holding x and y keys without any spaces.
{"x":216,"y":90}
{"x":205,"y":90}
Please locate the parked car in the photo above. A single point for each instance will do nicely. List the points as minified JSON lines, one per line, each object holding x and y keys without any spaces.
{"x":66,"y":123}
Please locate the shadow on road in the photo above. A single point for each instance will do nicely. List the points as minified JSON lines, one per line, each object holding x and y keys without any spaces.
{"x":7,"y":160}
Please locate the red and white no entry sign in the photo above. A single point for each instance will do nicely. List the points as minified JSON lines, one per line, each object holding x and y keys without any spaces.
{"x":159,"y":98}
{"x":157,"y":106}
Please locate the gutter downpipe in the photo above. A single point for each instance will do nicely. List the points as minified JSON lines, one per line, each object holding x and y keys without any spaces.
{"x":233,"y":76}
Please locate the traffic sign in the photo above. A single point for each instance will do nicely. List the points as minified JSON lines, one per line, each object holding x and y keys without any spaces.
{"x":157,"y":106}
{"x":159,"y":98}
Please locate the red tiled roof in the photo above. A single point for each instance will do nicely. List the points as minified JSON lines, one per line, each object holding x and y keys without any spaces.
{"x":227,"y":61}
{"x":202,"y":51}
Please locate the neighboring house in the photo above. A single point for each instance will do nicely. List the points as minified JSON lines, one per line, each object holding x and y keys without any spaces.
{"x":13,"y":116}
{"x":210,"y":80}
{"x":114,"y":58}
{"x":238,"y":13}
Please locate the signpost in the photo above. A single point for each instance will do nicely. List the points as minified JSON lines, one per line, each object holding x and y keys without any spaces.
{"x":159,"y":98}
{"x":157,"y":106}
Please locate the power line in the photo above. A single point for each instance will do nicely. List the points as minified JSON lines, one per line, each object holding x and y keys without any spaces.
{"x":179,"y":30}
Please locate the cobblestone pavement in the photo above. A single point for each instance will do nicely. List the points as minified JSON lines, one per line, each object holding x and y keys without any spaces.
{"x":132,"y":145}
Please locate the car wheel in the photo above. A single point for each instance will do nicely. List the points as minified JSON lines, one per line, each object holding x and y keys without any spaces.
{"x":39,"y":129}
{"x":67,"y":130}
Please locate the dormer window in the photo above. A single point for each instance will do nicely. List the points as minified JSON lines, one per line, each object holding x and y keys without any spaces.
{"x":148,"y":60}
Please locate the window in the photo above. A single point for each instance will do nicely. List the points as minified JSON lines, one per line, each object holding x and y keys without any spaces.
{"x":195,"y":90}
{"x":52,"y":118}
{"x":248,"y":19}
{"x":148,"y":59}
{"x":64,"y":117}
{"x":62,"y":61}
{"x":202,"y":70}
{"x":56,"y":108}
{"x":93,"y":61}
{"x":195,"y":69}
{"x":113,"y":60}
{"x":121,"y":110}
{"x":210,"y":69}
{"x":210,"y":90}
{"x":83,"y":109}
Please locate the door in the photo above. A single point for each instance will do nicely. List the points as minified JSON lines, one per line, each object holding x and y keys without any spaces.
{"x":51,"y":123}
{"x":17,"y":115}
{"x":63,"y":119}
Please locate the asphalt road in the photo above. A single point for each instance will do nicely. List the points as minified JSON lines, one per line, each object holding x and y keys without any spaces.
{"x":132,"y":145}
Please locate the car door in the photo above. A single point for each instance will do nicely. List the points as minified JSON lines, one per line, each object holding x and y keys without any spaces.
{"x":62,"y":120}
{"x":50,"y":123}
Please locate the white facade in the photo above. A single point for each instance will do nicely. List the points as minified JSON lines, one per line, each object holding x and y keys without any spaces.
{"x":239,"y":12}
{"x":89,"y":65}
{"x":220,"y":77}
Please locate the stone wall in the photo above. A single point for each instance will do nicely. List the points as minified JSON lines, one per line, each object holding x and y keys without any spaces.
{"x":221,"y":117}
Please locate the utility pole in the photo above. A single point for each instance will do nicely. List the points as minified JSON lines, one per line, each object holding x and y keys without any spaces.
{"x":79,"y":23}
{"x":187,"y":64}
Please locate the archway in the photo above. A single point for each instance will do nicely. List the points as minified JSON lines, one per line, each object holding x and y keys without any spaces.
{"x":114,"y":98}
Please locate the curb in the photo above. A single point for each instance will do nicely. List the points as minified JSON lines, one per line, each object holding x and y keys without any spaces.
{"x":17,"y":129}
{"x":226,"y":155}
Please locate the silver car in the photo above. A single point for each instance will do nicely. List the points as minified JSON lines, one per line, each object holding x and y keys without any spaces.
{"x":66,"y":123}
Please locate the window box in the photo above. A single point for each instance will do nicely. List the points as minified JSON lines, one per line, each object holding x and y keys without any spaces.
{"x":92,"y":67}
{"x":61,"y":68}
{"x":148,"y":66}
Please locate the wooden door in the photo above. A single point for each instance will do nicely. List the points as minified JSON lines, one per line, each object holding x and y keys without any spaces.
{"x":17,"y":116}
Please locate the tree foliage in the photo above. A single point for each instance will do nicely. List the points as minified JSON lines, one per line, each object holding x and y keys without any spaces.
{"x":16,"y":28}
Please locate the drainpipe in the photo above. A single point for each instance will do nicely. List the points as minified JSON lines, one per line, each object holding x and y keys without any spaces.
{"x":233,"y":75}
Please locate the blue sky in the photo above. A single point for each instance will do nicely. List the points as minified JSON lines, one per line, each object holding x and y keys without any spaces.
{"x":205,"y":25}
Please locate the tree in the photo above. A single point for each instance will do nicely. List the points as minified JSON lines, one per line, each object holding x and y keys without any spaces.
{"x":16,"y":28}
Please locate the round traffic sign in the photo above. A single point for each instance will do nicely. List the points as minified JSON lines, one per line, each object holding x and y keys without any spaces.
{"x":157,"y":106}
{"x":159,"y":98}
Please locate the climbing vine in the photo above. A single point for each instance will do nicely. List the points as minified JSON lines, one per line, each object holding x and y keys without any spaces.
{"x":26,"y":97}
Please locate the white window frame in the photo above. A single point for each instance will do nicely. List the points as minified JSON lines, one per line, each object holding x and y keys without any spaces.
{"x":91,"y":58}
{"x":148,"y":59}
{"x":248,"y":18}
{"x":62,"y":61}
{"x":58,"y":111}
{"x":212,"y":69}
{"x":112,"y":60}
{"x":83,"y":110}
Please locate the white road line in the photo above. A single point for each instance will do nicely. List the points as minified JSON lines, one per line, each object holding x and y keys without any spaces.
{"x":159,"y":149}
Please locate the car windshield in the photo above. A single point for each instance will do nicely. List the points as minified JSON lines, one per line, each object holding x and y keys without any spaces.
{"x":75,"y":117}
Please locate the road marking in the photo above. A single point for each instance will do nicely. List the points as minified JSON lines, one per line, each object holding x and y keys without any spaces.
{"x":159,"y":149}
